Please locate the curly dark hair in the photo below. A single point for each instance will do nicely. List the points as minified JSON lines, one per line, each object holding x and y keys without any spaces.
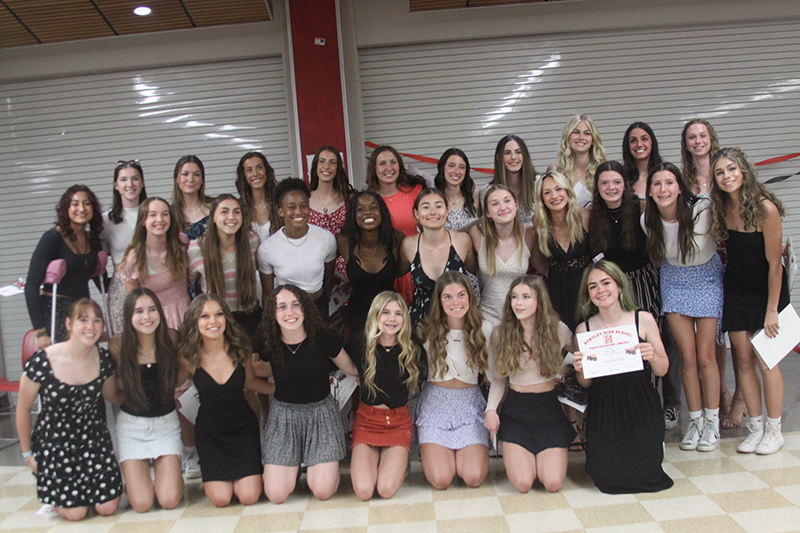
{"x":290,"y":185}
{"x":62,"y":215}
{"x":467,"y":185}
{"x":270,"y":331}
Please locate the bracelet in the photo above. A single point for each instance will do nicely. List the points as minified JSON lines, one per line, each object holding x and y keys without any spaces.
{"x":26,"y":455}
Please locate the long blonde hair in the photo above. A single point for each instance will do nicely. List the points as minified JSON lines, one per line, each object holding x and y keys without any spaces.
{"x":408,"y":360}
{"x":597,"y":154}
{"x":490,"y":238}
{"x":542,"y":217}
{"x":436,"y":328}
{"x":513,"y":350}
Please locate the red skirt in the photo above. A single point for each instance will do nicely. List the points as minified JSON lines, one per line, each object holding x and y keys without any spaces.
{"x":383,"y":428}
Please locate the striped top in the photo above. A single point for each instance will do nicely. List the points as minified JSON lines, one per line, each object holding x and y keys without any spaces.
{"x":196,"y":268}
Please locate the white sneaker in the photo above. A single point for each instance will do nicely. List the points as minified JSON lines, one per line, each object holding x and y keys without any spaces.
{"x":190,"y":464}
{"x":692,"y":436}
{"x":709,"y":439}
{"x":772,"y":440}
{"x":753,"y":439}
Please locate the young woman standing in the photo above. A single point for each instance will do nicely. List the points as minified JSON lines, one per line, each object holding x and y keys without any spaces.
{"x":504,"y":249}
{"x":747,"y":217}
{"x":330,"y":190}
{"x":390,"y":368}
{"x":514,"y":169}
{"x":679,"y":239}
{"x":255,"y":181}
{"x":639,"y":155}
{"x":76,"y":239}
{"x":119,"y":225}
{"x":579,"y":154}
{"x":189,"y":196}
{"x":453,"y":179}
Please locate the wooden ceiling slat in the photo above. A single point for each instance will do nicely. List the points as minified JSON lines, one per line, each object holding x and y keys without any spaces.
{"x":12,"y":33}
{"x":61,"y":20}
{"x":167,"y":15}
{"x":216,"y":13}
{"x":432,"y":5}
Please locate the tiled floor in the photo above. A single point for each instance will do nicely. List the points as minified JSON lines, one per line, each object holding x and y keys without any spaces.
{"x":719,"y":491}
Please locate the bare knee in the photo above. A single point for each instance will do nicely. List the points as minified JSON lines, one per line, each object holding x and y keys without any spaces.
{"x":439,"y":479}
{"x":387,"y":489}
{"x":107,"y":508}
{"x":522,"y":483}
{"x":473,"y":477}
{"x":140,"y":503}
{"x":277,"y":495}
{"x":73,"y":514}
{"x":326,"y":491}
{"x":364,"y":491}
{"x":249,"y":497}
{"x":170,"y":501}
{"x":552,"y":483}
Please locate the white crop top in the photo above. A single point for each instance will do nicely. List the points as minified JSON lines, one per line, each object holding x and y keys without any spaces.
{"x":529,"y":374}
{"x":456,"y":359}
{"x":298,"y":261}
{"x":704,"y":243}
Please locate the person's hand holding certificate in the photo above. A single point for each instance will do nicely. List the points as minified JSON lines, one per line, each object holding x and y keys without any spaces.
{"x":610,"y":351}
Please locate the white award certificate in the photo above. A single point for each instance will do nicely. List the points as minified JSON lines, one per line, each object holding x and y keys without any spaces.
{"x":610,"y":351}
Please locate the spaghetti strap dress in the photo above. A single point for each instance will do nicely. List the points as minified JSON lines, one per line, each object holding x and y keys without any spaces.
{"x":746,"y":285}
{"x":423,"y":285}
{"x":564,"y":278}
{"x":625,"y":433}
{"x":226,"y":430}
{"x":366,"y":286}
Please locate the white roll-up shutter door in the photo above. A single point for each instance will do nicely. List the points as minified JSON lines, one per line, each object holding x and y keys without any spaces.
{"x":745,"y":79}
{"x":59,"y":132}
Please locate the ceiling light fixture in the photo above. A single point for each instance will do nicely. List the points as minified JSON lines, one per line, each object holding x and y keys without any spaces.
{"x":142,"y":11}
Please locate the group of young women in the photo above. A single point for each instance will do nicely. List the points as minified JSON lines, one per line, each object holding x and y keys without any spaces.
{"x":496,"y":280}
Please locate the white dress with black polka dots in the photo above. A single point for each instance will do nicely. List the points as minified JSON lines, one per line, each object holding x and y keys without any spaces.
{"x":71,"y":443}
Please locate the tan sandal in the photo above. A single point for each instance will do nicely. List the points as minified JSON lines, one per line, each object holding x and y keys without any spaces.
{"x":725,"y":402}
{"x":737,"y":411}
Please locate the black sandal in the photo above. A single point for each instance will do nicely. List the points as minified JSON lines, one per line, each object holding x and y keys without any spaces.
{"x":579,"y":444}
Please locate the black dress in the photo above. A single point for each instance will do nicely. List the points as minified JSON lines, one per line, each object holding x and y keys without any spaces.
{"x":71,"y":443}
{"x":226,"y":430}
{"x":746,"y":283}
{"x":564,"y":278}
{"x":625,"y":433}
{"x":366,"y":286}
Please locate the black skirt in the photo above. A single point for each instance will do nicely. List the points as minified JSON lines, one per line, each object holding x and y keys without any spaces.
{"x":534,"y":421}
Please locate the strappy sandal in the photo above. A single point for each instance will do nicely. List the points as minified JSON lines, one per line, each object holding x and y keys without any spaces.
{"x":725,"y":402}
{"x":735,"y":414}
{"x":579,"y":444}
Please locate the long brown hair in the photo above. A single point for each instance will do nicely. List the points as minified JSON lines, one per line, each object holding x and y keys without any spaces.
{"x":436,"y":328}
{"x":407,"y":360}
{"x":687,"y":160}
{"x":527,"y":172}
{"x":751,"y":194}
{"x":177,"y":261}
{"x":246,"y":192}
{"x":600,"y":236}
{"x":405,"y":182}
{"x":656,"y":248}
{"x":237,"y":344}
{"x":179,"y":219}
{"x":212,"y":260}
{"x":165,"y":351}
{"x":513,"y":350}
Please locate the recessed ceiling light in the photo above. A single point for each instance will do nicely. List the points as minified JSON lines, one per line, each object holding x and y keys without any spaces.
{"x":142,"y":11}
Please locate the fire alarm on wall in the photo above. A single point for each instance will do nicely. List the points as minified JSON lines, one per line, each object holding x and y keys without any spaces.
{"x":319,"y":41}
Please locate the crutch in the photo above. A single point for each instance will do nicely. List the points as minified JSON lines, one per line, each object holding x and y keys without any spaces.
{"x":55,"y":272}
{"x":102,"y":262}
